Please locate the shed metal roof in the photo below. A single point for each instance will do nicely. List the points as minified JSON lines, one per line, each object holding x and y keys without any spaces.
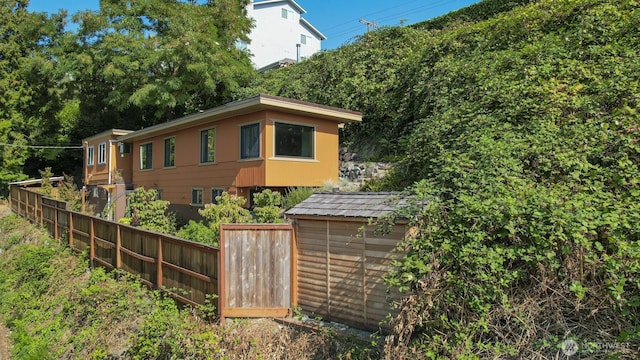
{"x":348,"y":204}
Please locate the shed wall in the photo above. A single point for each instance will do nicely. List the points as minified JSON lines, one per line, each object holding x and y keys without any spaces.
{"x":341,"y":265}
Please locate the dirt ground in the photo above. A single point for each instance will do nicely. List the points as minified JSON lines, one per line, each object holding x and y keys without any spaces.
{"x":4,"y":343}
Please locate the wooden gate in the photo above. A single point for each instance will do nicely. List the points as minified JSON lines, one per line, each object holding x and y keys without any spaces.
{"x":257,"y":270}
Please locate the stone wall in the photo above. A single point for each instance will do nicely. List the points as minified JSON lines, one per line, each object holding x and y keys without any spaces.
{"x":353,"y":172}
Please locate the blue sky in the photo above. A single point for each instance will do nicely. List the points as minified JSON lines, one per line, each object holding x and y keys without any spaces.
{"x":338,"y":20}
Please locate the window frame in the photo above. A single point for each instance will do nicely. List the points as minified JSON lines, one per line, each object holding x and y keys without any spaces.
{"x":143,"y":163}
{"x":244,"y":126}
{"x":172,"y":155}
{"x":213,"y":198}
{"x":90,"y":155}
{"x":204,"y":155}
{"x":296,"y":157}
{"x":102,"y":153}
{"x":194,"y":191}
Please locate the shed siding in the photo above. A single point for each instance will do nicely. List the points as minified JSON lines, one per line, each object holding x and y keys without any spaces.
{"x":345,"y":261}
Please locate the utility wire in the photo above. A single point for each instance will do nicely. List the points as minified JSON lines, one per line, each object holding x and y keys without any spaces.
{"x":43,"y":146}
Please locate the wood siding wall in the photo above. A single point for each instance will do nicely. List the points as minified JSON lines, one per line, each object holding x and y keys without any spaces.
{"x":228,"y":171}
{"x":116,"y":165}
{"x":341,"y":265}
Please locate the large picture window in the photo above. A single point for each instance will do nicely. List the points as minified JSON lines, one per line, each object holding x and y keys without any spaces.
{"x":90,"y":156}
{"x":208,"y":146}
{"x":250,"y":141}
{"x":146,"y":156}
{"x":170,"y":152}
{"x":294,"y":140}
{"x":102,"y":153}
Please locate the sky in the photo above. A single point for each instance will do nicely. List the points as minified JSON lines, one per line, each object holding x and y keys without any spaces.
{"x":338,"y":20}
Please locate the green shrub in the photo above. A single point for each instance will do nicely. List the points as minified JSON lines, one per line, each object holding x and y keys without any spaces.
{"x":199,"y":232}
{"x":296,"y":195}
{"x":228,"y":210}
{"x":268,"y":206}
{"x":145,"y":210}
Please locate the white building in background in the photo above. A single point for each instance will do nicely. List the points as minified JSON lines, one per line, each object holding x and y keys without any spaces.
{"x":280,"y":35}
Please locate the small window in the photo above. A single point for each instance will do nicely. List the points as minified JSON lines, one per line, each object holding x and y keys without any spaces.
{"x":250,"y":141}
{"x":304,"y":39}
{"x":90,"y":157}
{"x":208,"y":146}
{"x":215,"y":192}
{"x":285,"y":14}
{"x":102,"y":153}
{"x":196,"y":196}
{"x":170,"y":152}
{"x":294,"y":140}
{"x":146,"y":156}
{"x":158,"y":194}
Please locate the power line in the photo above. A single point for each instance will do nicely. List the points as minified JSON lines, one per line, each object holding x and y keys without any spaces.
{"x":43,"y":146}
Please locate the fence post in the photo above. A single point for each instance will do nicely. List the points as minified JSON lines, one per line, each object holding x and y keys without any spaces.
{"x":294,"y":267}
{"x":92,"y":240}
{"x":18,"y":207}
{"x":41,"y":213}
{"x":55,"y":223}
{"x":159,"y":275}
{"x":118,"y":246}
{"x":71,"y":230}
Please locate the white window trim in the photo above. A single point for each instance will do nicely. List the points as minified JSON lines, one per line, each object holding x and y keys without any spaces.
{"x":201,"y":196}
{"x":294,"y":158}
{"x":90,"y":155}
{"x":102,"y":153}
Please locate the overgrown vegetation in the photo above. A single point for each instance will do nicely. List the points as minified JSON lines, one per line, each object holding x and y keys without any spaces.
{"x":56,"y":308}
{"x":519,"y":134}
{"x":146,"y":210}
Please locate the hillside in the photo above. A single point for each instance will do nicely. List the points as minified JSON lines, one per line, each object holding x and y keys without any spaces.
{"x":520,"y":134}
{"x":54,"y":307}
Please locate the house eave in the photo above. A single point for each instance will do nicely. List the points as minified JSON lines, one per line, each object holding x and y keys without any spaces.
{"x":312,"y":28}
{"x":257,"y":103}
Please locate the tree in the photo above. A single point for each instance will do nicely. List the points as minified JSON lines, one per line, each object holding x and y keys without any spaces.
{"x":155,"y":60}
{"x":29,"y":88}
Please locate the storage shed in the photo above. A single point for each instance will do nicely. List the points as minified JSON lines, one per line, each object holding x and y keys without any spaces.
{"x":342,"y":258}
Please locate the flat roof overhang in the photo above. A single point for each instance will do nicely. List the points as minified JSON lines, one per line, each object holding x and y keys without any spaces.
{"x":247,"y":106}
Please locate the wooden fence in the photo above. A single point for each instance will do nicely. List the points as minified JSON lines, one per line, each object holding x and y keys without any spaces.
{"x":330,"y":268}
{"x":257,"y":267}
{"x":186,"y":270}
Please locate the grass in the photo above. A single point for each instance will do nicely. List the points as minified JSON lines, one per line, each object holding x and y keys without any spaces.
{"x":57,"y":308}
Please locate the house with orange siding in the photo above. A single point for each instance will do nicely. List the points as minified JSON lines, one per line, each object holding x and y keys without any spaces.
{"x":240,"y":148}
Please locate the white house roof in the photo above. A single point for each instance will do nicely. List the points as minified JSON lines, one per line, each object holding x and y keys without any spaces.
{"x":294,"y":4}
{"x":311,"y":28}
